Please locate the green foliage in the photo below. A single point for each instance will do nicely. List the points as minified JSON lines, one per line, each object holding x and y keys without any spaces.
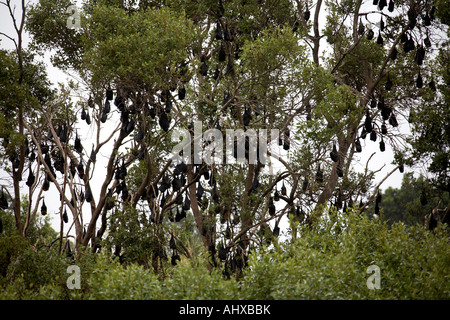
{"x":192,"y":280}
{"x":29,"y":265}
{"x":53,"y":33}
{"x":431,"y":132}
{"x":327,"y":262}
{"x":404,"y":204}
{"x":331,"y":261}
{"x":28,"y":92}
{"x":108,"y":280}
{"x":130,"y":231}
{"x":10,"y":246}
{"x":273,"y":50}
{"x":38,"y":267}
{"x":443,"y":11}
{"x":30,"y":273}
{"x":148,"y":48}
{"x":138,"y":48}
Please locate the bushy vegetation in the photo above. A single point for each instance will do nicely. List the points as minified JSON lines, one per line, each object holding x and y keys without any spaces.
{"x":329,"y":261}
{"x":414,"y":200}
{"x":149,"y":78}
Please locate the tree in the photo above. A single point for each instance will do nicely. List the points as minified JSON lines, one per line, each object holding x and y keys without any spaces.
{"x":248,"y":65}
{"x":430,"y":143}
{"x":24,"y":92}
{"x":413,"y":202}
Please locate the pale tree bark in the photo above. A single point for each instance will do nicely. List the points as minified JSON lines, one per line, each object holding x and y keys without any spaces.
{"x":17,"y":174}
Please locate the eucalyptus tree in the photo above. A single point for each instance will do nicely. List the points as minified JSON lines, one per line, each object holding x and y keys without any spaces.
{"x":25,"y":96}
{"x":326,"y":76}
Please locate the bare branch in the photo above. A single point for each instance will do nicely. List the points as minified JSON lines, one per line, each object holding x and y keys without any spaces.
{"x":377,"y":187}
{"x":10,"y":38}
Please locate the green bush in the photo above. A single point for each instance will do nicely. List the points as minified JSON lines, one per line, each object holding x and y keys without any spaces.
{"x":190,"y":280}
{"x":328,"y":262}
{"x":39,"y":267}
{"x":28,"y":273}
{"x":193,"y":280}
{"x":108,"y":280}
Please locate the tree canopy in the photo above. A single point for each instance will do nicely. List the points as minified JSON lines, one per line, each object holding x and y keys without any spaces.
{"x":310,"y":85}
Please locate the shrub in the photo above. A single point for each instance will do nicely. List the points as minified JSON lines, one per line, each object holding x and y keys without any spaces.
{"x":108,"y":280}
{"x":330,"y":262}
{"x":193,"y":280}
